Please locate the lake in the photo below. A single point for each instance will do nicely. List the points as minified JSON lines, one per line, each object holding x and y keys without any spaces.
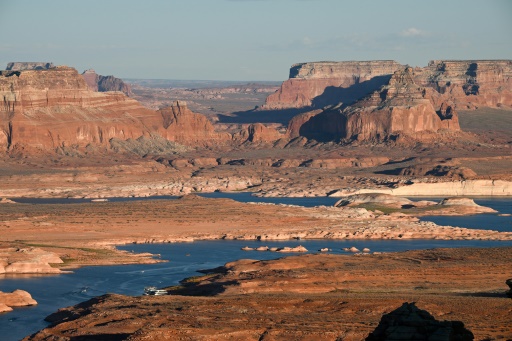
{"x":56,"y":291}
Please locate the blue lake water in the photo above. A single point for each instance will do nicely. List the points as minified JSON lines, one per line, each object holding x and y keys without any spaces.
{"x":184,"y":259}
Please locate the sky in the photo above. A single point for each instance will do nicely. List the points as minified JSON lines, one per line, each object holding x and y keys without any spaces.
{"x":244,"y":40}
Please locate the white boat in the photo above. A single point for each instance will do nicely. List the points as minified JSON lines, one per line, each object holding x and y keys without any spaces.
{"x":153,"y":291}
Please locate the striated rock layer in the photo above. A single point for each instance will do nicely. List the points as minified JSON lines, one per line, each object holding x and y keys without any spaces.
{"x":467,"y":84}
{"x":398,"y":107}
{"x":53,"y":108}
{"x":378,"y":99}
{"x":309,"y":81}
{"x":57,"y":109}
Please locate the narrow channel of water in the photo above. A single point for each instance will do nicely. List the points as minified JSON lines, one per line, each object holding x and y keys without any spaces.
{"x":53,"y":292}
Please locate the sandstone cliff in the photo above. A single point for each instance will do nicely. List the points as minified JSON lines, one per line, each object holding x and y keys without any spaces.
{"x":101,"y":83}
{"x":321,"y":83}
{"x":468,"y":84}
{"x":54,"y":108}
{"x":185,"y":127}
{"x":398,"y":107}
{"x":419,"y":100}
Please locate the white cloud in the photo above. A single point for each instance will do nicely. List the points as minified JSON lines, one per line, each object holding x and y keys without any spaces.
{"x":413,"y":32}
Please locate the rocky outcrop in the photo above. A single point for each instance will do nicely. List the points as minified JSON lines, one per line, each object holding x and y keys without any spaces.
{"x":21,"y":66}
{"x":411,"y":323}
{"x":509,"y":283}
{"x":465,"y":203}
{"x":373,"y":198}
{"x":185,"y":127}
{"x":467,"y":84}
{"x":28,"y":261}
{"x":410,"y":102}
{"x":17,"y":298}
{"x":257,"y":133}
{"x":54,"y":108}
{"x":101,"y":83}
{"x":322,"y":83}
{"x":397,"y":108}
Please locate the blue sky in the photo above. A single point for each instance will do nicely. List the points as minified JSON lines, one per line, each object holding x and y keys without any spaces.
{"x":247,"y":39}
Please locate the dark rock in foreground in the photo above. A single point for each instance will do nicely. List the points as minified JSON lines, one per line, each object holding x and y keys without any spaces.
{"x":411,"y":323}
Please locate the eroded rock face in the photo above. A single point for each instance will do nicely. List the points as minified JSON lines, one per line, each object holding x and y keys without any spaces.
{"x":183,"y":126}
{"x":321,"y":83}
{"x":411,"y":323}
{"x":54,"y":108}
{"x":101,"y":83}
{"x":373,"y":198}
{"x":398,"y":107}
{"x":364,"y":102}
{"x":468,"y":84}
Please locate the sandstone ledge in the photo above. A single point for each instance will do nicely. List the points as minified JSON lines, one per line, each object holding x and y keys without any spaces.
{"x":452,"y":188}
{"x":17,"y":298}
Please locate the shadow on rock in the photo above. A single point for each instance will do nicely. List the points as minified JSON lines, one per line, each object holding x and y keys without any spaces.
{"x":411,"y":323}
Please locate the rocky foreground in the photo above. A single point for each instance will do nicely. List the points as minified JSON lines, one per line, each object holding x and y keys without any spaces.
{"x":311,"y":297}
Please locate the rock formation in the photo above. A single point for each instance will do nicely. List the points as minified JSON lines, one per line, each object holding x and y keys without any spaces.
{"x":398,"y":107}
{"x":28,"y":261}
{"x":258,"y":133}
{"x":411,"y":101}
{"x":509,"y":283}
{"x":101,"y":83}
{"x":185,"y":127}
{"x":322,"y":83}
{"x":48,"y":109}
{"x":411,"y":323}
{"x":17,"y":298}
{"x":373,"y":198}
{"x":467,"y":84}
{"x":54,"y":109}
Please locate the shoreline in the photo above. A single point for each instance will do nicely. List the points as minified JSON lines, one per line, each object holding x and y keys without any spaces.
{"x":80,"y":235}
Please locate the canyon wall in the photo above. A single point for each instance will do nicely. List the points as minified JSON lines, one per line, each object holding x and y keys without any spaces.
{"x":398,"y":107}
{"x":52,"y":108}
{"x":412,"y":100}
{"x":320,"y":83}
{"x":468,"y":84}
{"x":55,"y":110}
